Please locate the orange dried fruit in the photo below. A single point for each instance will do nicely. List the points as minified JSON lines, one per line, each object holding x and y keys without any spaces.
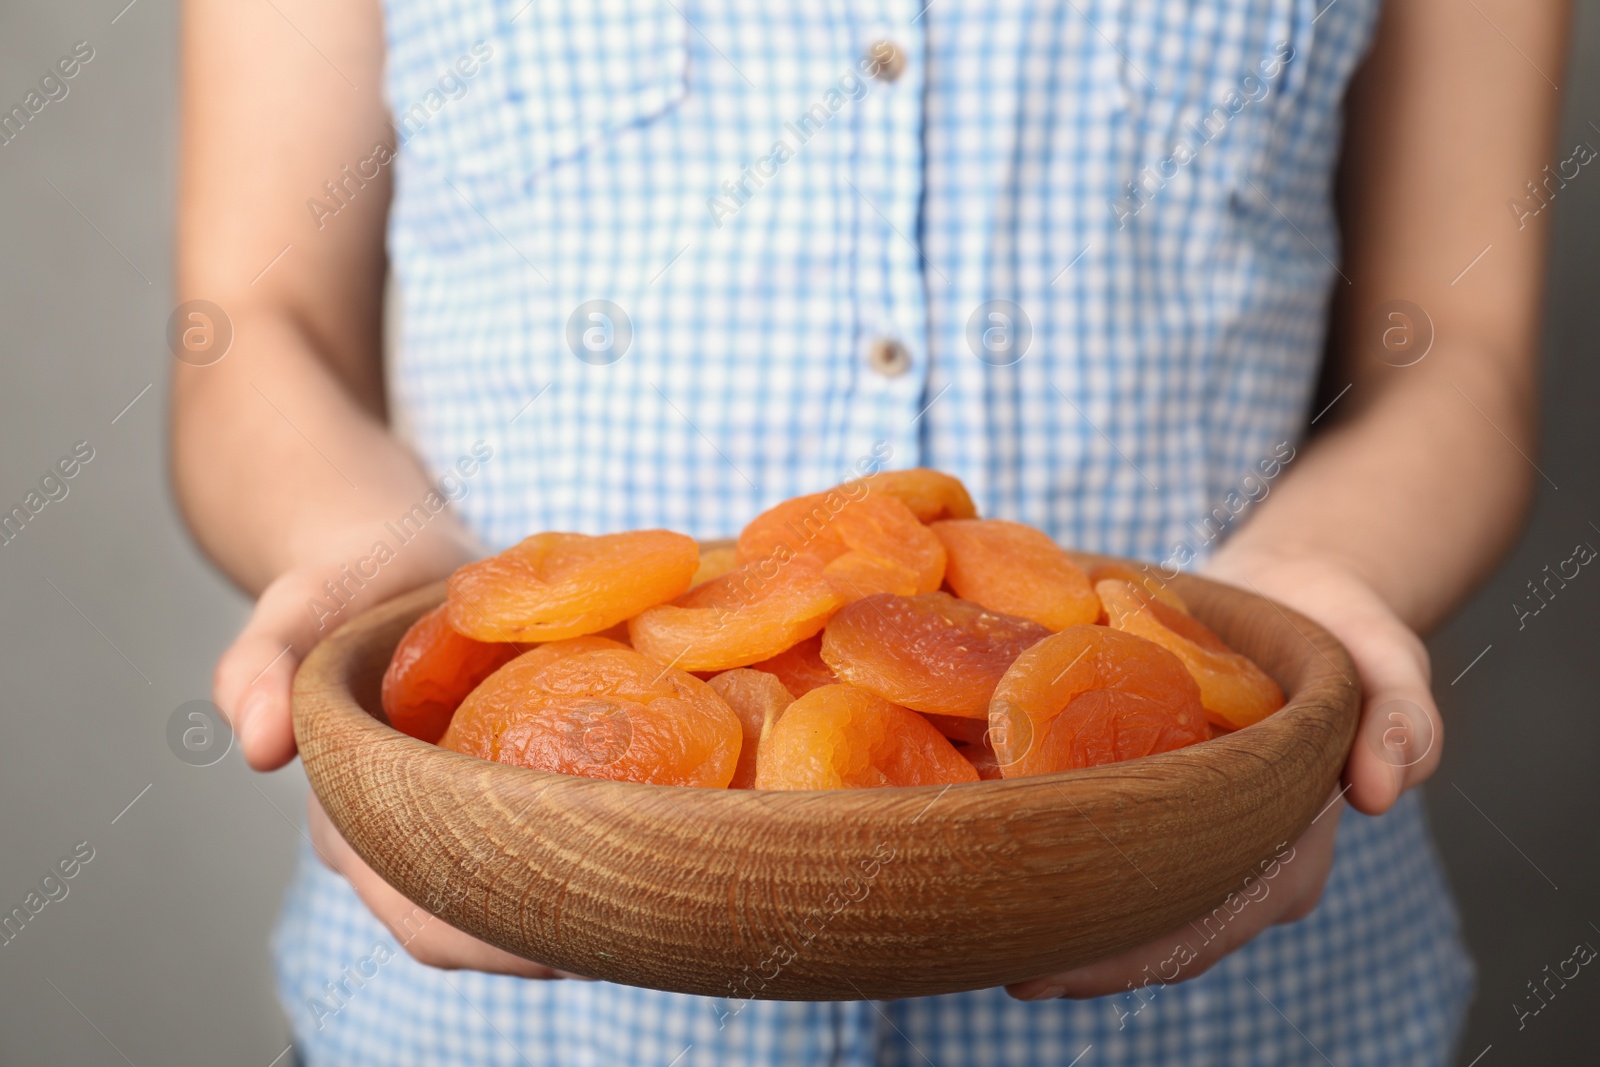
{"x":884,"y":526}
{"x":930,"y":653}
{"x":550,"y":651}
{"x":432,"y":671}
{"x":800,"y":667}
{"x":739,"y":618}
{"x":1016,"y":570}
{"x":557,"y":585}
{"x":1143,"y":580}
{"x":799,"y":525}
{"x":841,"y":737}
{"x":931,"y":495}
{"x":856,"y":575}
{"x":1234,"y":691}
{"x":806,"y":523}
{"x":602,"y":713}
{"x":889,"y":551}
{"x":1090,"y":695}
{"x":869,"y":543}
{"x":758,"y":699}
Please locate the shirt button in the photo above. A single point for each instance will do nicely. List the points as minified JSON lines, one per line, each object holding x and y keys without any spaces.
{"x":888,"y":357}
{"x":888,"y":60}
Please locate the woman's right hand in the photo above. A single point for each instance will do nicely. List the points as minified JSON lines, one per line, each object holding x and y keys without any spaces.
{"x":253,"y":685}
{"x":254,"y":677}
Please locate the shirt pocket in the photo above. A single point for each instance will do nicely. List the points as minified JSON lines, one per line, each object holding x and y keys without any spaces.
{"x":580,"y":71}
{"x":1206,"y":81}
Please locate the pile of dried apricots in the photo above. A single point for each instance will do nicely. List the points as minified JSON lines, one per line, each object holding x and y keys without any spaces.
{"x":878,"y":633}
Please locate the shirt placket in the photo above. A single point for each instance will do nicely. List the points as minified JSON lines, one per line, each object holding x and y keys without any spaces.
{"x":886,"y":181}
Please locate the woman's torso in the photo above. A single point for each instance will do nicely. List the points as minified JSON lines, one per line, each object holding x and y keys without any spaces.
{"x":596,"y":154}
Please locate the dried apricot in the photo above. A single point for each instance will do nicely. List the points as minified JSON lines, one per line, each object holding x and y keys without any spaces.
{"x":1090,"y":695}
{"x":889,"y":551}
{"x":759,"y":700}
{"x":800,"y":667}
{"x":869,"y":543}
{"x":801,"y":524}
{"x":929,"y":652}
{"x":478,"y":730}
{"x":432,"y":671}
{"x":1145,"y":581}
{"x":841,"y":737}
{"x":602,"y":713}
{"x":557,"y":585}
{"x":931,"y":495}
{"x":550,"y":651}
{"x":738,"y":619}
{"x":1234,"y":691}
{"x":1017,"y":570}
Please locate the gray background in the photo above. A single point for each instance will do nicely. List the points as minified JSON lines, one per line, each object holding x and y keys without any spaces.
{"x":111,"y":620}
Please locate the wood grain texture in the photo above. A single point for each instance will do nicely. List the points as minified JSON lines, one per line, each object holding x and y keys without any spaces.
{"x":840,"y":895}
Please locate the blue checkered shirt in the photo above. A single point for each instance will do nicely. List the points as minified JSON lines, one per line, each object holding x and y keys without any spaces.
{"x":675,"y":260}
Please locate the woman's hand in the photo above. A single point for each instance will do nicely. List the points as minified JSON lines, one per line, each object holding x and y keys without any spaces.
{"x":253,"y":684}
{"x":1398,"y":743}
{"x":1396,"y":747}
{"x":255,"y":675}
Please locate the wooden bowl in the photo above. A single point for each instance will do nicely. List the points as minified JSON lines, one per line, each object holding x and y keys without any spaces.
{"x":837,"y":895}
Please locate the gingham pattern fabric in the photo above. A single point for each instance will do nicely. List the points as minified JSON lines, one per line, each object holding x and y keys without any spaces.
{"x":1141,"y":187}
{"x":1374,"y":976}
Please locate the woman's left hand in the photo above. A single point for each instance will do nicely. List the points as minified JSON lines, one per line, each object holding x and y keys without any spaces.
{"x":1396,"y":747}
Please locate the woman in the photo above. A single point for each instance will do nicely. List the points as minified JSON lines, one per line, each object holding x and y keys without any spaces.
{"x":667,"y":263}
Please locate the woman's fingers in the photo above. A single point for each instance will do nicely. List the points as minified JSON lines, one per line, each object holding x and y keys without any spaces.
{"x":1400,"y":736}
{"x":254,"y":679}
{"x":1397,"y":745}
{"x":1401,"y":733}
{"x":260,"y":711}
{"x":1286,"y":889}
{"x":255,"y":675}
{"x":425,"y":937}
